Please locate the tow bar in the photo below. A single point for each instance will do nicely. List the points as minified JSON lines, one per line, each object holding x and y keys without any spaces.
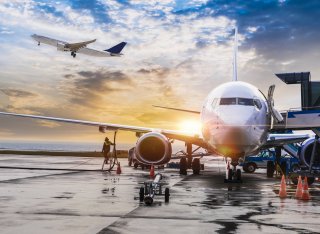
{"x":152,"y":188}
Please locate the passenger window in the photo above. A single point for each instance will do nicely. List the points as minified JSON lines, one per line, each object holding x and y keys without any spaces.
{"x":245,"y":101}
{"x":228,"y":101}
{"x":257,"y":103}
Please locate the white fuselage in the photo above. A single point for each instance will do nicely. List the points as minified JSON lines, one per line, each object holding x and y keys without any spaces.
{"x":235,"y":119}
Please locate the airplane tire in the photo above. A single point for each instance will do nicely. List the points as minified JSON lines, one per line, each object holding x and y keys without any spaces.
{"x":238,"y":175}
{"x":141,"y":194}
{"x":183,"y":166}
{"x":270,"y":169}
{"x":230,"y":174}
{"x":166,"y":195}
{"x":196,"y":166}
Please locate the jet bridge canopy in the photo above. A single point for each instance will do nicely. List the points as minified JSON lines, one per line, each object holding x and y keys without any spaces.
{"x":310,"y":90}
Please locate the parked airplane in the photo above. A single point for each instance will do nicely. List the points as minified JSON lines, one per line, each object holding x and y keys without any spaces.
{"x":236,"y":122}
{"x":80,"y":47}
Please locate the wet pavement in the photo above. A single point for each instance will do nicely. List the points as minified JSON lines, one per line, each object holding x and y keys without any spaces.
{"x":77,"y":198}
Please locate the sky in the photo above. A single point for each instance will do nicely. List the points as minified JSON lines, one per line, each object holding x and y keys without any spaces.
{"x":177,"y":52}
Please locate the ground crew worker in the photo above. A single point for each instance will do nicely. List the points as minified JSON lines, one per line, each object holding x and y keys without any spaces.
{"x":106,"y":149}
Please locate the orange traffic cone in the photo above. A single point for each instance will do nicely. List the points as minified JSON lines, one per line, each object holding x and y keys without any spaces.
{"x":299,"y":188}
{"x":118,"y":168}
{"x":152,"y":171}
{"x":305,"y":191}
{"x":283,"y":188}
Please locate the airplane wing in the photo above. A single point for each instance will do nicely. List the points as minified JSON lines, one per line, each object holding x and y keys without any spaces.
{"x":177,"y":109}
{"x":171,"y":134}
{"x":79,"y":45}
{"x":47,"y":40}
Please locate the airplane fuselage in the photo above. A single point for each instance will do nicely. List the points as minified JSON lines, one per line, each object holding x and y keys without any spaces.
{"x":235,"y":120}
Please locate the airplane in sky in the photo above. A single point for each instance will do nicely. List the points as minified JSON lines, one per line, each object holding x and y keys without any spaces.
{"x":236,"y":121}
{"x":79,"y":47}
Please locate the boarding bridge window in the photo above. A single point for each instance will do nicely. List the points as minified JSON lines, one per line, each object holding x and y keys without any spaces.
{"x":245,"y":101}
{"x":228,"y":101}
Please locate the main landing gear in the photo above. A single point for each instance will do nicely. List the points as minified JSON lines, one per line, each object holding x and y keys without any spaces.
{"x":188,"y":160}
{"x":233,"y":175}
{"x":195,"y":165}
{"x":73,"y":54}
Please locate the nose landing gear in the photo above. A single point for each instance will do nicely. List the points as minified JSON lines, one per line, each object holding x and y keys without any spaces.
{"x":233,"y":175}
{"x":73,"y":54}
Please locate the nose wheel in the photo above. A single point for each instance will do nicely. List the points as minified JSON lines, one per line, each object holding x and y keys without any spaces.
{"x":73,"y":54}
{"x":233,"y":174}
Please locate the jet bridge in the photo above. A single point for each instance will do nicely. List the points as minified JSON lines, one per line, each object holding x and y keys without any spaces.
{"x":308,"y":117}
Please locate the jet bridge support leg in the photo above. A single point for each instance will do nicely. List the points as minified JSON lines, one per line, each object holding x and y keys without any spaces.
{"x":313,"y":170}
{"x":314,"y":151}
{"x":271,"y":165}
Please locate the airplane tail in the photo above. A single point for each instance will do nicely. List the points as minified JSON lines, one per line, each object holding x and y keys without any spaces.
{"x":117,"y":48}
{"x":235,"y":52}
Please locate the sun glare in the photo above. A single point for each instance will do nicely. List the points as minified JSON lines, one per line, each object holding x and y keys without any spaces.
{"x":191,"y":126}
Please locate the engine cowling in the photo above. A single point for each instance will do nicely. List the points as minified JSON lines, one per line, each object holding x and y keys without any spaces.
{"x":61,"y":47}
{"x":306,"y":151}
{"x":153,"y":149}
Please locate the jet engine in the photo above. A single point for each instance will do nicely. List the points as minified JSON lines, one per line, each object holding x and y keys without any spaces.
{"x":61,"y":47}
{"x":153,"y":149}
{"x":306,"y":151}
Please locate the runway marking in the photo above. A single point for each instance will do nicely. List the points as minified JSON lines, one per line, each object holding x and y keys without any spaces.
{"x":129,"y":215}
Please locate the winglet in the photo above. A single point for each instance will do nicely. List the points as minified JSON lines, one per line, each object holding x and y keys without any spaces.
{"x":117,"y":48}
{"x":235,"y":51}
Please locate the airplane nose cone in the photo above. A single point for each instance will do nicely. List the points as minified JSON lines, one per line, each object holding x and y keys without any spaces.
{"x":235,"y":135}
{"x":234,"y":141}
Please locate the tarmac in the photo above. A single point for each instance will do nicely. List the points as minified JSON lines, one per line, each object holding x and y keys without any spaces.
{"x":48,"y":194}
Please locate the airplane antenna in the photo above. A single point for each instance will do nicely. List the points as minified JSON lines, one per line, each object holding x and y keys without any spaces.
{"x":235,"y":51}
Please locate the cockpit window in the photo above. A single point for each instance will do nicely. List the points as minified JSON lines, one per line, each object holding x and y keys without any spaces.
{"x":245,"y":101}
{"x":228,"y":101}
{"x":238,"y":101}
{"x":257,"y":103}
{"x":214,"y":102}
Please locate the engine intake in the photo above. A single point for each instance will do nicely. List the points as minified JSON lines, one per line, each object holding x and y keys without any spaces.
{"x":306,"y":151}
{"x":153,"y":149}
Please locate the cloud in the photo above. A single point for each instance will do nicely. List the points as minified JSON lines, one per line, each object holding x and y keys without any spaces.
{"x":18,"y":93}
{"x":88,"y":88}
{"x":177,"y":52}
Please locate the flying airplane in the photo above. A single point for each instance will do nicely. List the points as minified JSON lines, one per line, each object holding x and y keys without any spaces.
{"x":236,"y":122}
{"x":80,"y":47}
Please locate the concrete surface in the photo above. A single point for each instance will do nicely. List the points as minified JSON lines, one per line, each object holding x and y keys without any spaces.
{"x":63,"y":201}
